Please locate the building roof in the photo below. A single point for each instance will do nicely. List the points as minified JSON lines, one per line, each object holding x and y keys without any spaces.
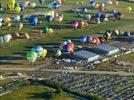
{"x":106,"y":47}
{"x":85,"y":54}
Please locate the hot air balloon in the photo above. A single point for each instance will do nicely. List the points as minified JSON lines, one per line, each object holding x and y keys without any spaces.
{"x":43,"y":53}
{"x":54,"y":5}
{"x":20,"y":26}
{"x":7,"y":38}
{"x":102,"y":7}
{"x":83,"y":38}
{"x":1,"y":19}
{"x":11,"y":4}
{"x":33,"y":5}
{"x":1,"y":24}
{"x":1,"y":40}
{"x":50,"y":30}
{"x":17,"y":9}
{"x":126,"y":34}
{"x":58,"y":53}
{"x":7,"y":20}
{"x":49,"y":18}
{"x":33,"y":20}
{"x":91,"y":3}
{"x":38,"y":49}
{"x":22,"y":6}
{"x":31,"y":56}
{"x":45,"y":30}
{"x":69,"y":47}
{"x":129,"y":9}
{"x":41,"y":2}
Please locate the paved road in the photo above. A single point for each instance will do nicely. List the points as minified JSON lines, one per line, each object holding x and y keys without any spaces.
{"x":70,"y":71}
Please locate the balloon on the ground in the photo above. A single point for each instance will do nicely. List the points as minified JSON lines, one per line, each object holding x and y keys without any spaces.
{"x":7,"y":38}
{"x":33,"y":20}
{"x":45,"y":30}
{"x":1,"y":40}
{"x":54,"y":5}
{"x":1,"y":19}
{"x":129,"y":9}
{"x":43,"y":53}
{"x":33,"y":5}
{"x":22,"y":6}
{"x":38,"y":49}
{"x":31,"y":56}
{"x":58,"y":53}
{"x":7,"y":19}
{"x":50,"y":30}
{"x":17,"y":9}
{"x":1,"y":24}
{"x":49,"y":18}
{"x":41,"y":2}
{"x":11,"y":4}
{"x":20,"y":26}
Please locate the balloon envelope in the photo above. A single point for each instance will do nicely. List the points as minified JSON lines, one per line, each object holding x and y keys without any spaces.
{"x":54,"y":5}
{"x":7,"y":37}
{"x":1,"y":40}
{"x":32,"y":56}
{"x":58,"y":53}
{"x":38,"y":49}
{"x":43,"y":53}
{"x":46,"y":29}
{"x":33,"y":20}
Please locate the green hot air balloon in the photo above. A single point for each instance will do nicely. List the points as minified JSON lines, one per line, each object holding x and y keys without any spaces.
{"x":32,"y":56}
{"x":46,"y":29}
{"x":58,"y":53}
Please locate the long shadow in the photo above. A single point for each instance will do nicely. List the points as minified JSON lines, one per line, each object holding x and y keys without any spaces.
{"x":44,"y":95}
{"x":11,"y":58}
{"x":9,"y":63}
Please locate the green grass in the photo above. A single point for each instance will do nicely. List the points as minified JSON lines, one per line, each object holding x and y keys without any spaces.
{"x":19,"y":46}
{"x":35,"y":93}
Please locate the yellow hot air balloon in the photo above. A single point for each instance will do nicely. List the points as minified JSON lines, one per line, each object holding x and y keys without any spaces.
{"x":17,"y":9}
{"x":129,"y":9}
{"x":7,"y":20}
{"x":50,"y":30}
{"x":43,"y":53}
{"x":11,"y":4}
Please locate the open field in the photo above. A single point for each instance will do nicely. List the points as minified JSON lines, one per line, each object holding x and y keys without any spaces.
{"x":13,"y":54}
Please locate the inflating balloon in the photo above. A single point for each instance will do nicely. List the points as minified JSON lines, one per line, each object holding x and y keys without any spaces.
{"x":7,"y":19}
{"x":33,"y":20}
{"x":33,"y":5}
{"x":1,"y":24}
{"x":31,"y":56}
{"x":38,"y":49}
{"x":1,"y":40}
{"x":50,"y":30}
{"x":41,"y":2}
{"x":129,"y":9}
{"x":58,"y":53}
{"x":45,"y":30}
{"x":7,"y":38}
{"x":17,"y":9}
{"x":1,"y":19}
{"x":54,"y":5}
{"x":43,"y":53}
{"x":20,"y":26}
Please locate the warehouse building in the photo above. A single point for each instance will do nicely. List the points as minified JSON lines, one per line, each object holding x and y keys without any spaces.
{"x":86,"y":55}
{"x":108,"y":49}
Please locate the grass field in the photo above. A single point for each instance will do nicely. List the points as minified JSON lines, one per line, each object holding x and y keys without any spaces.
{"x":35,"y":93}
{"x":19,"y":47}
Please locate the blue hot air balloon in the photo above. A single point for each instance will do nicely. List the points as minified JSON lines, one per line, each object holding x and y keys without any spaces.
{"x":49,"y":18}
{"x":54,"y":5}
{"x":33,"y":20}
{"x":37,"y":49}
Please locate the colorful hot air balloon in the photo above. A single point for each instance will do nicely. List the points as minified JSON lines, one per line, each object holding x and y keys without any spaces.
{"x":31,"y":56}
{"x":43,"y":53}
{"x":38,"y":49}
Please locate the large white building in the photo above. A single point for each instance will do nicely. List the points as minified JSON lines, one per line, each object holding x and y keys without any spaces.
{"x":108,"y":49}
{"x":86,"y":55}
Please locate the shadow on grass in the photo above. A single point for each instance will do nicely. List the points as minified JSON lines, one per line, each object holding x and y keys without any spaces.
{"x":10,"y":63}
{"x":44,"y":95}
{"x":11,"y":58}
